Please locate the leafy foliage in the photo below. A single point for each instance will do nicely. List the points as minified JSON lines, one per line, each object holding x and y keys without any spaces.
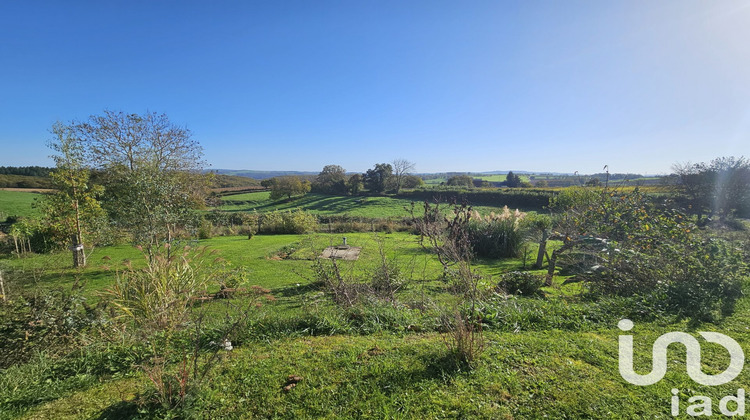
{"x":522,"y":283}
{"x":298,"y":221}
{"x":376,"y":179}
{"x":288,"y":186}
{"x":52,"y":322}
{"x":719,"y":187}
{"x":151,"y":170}
{"x":629,"y":245}
{"x":331,"y":180}
{"x":460,"y":181}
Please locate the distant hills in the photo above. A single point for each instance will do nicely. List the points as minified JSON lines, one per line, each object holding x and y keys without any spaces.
{"x":260,"y":174}
{"x":270,"y":174}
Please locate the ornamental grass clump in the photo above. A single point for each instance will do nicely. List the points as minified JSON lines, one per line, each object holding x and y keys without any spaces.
{"x":158,"y":296}
{"x":496,"y":235}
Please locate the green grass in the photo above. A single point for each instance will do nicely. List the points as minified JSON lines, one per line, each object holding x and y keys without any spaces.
{"x":329,"y":205}
{"x":321,"y":204}
{"x":554,"y":358}
{"x":17,"y":203}
{"x":486,"y":177}
{"x":524,"y":375}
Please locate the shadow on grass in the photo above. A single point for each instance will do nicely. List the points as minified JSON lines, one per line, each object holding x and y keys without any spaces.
{"x":440,"y":366}
{"x":120,"y":410}
{"x":296,"y":290}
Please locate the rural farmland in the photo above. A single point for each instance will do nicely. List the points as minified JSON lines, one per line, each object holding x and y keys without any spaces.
{"x":374,"y":210}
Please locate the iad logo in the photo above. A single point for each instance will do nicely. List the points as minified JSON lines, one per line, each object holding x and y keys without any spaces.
{"x":702,"y":406}
{"x":692,"y":362}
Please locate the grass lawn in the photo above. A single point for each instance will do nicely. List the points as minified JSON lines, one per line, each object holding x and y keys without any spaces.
{"x":260,"y":256}
{"x":17,"y":203}
{"x":553,"y":357}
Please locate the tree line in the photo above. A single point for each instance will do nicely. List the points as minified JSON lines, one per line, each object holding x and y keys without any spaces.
{"x":40,"y":171}
{"x":334,"y":180}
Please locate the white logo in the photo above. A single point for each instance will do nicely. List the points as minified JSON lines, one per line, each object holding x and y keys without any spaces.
{"x":692,"y":362}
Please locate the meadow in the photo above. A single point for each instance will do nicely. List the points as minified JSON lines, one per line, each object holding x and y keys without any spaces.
{"x":17,"y":203}
{"x":548,"y":354}
{"x":367,"y":207}
{"x":553,"y":357}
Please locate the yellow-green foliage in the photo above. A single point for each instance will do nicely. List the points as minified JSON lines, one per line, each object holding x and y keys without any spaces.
{"x":298,"y":221}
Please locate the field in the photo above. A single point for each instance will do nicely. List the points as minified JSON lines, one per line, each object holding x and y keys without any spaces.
{"x":327,"y":205}
{"x":17,"y":203}
{"x":554,"y":357}
{"x":553,"y":354}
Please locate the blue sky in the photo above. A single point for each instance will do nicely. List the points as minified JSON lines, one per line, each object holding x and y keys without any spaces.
{"x":452,"y":86}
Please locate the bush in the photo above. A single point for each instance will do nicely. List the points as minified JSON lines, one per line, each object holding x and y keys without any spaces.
{"x":632,"y":245}
{"x":205,"y":230}
{"x":496,"y":235}
{"x":158,"y":297}
{"x":298,"y":221}
{"x":50,"y":322}
{"x":706,"y":281}
{"x":522,"y":283}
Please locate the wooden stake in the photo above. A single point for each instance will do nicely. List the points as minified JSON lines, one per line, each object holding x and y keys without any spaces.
{"x":2,"y":288}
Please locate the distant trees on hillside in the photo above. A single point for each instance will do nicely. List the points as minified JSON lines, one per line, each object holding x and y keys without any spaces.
{"x":376,"y":179}
{"x":383,"y":177}
{"x":354,"y":184}
{"x":288,"y":186}
{"x":25,"y":170}
{"x":513,"y":180}
{"x":460,"y":181}
{"x":331,"y":180}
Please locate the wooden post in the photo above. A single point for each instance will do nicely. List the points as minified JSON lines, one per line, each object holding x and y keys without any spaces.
{"x":2,"y":288}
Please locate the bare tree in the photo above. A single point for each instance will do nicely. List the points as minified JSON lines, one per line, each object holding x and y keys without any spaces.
{"x":401,"y":168}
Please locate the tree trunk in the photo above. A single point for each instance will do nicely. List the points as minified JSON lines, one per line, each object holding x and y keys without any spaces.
{"x":542,"y":250}
{"x":79,"y":256}
{"x":553,"y":260}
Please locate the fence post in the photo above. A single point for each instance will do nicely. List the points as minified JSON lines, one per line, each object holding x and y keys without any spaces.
{"x":2,"y":288}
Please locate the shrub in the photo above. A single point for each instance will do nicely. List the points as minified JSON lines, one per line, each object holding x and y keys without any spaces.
{"x":158,"y":297}
{"x":707,"y":280}
{"x":298,"y":221}
{"x":50,"y":322}
{"x":522,"y":283}
{"x":205,"y":230}
{"x":631,"y":245}
{"x":496,"y":235}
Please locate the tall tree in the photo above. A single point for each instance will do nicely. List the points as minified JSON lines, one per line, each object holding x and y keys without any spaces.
{"x":288,"y":186}
{"x":376,"y":179}
{"x":73,"y":211}
{"x":513,"y":180}
{"x":401,"y":168}
{"x":354,"y":184}
{"x":331,"y":180}
{"x":152,"y":171}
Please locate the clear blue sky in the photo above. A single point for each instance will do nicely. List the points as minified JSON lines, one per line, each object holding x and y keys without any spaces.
{"x":452,"y":86}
